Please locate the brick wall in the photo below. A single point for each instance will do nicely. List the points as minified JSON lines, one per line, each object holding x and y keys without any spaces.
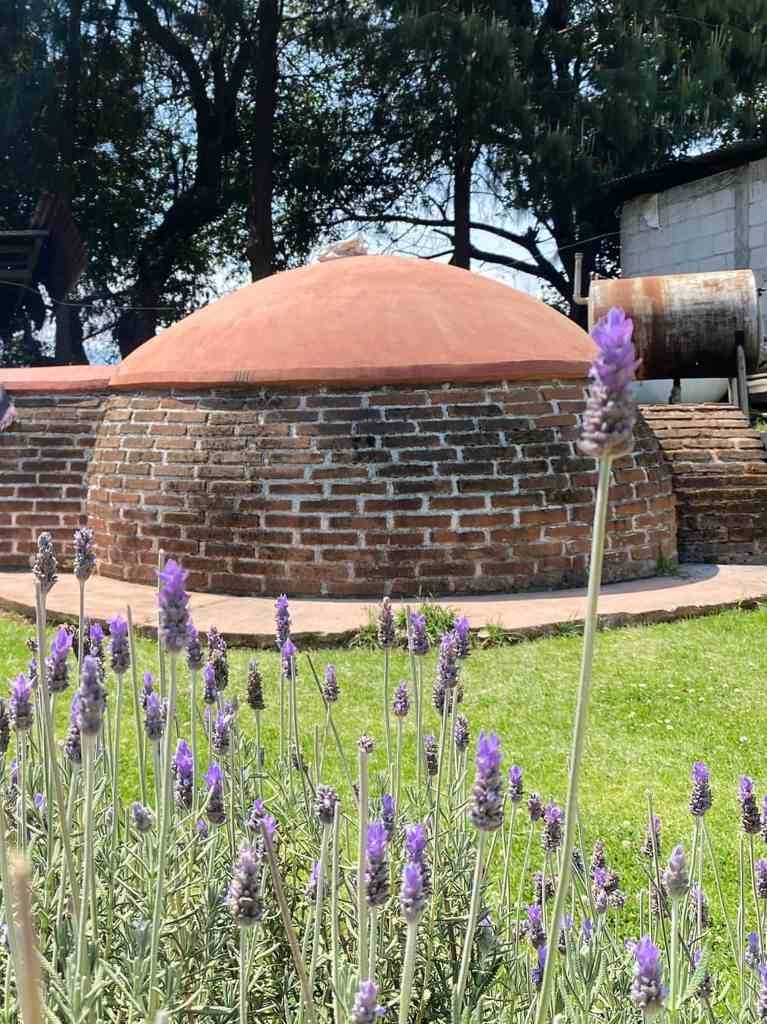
{"x":720,"y":480}
{"x":43,"y":464}
{"x":426,"y":490}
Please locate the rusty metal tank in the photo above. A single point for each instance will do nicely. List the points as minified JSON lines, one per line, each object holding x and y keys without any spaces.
{"x":686,"y":325}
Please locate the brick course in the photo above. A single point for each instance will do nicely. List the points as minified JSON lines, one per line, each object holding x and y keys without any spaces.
{"x":423,"y":490}
{"x":720,"y":480}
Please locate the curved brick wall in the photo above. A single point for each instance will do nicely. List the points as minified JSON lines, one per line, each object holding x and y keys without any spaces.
{"x":427,"y":490}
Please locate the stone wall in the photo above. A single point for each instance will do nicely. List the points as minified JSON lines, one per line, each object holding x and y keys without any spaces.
{"x":423,"y":490}
{"x":720,"y":481}
{"x":43,"y":465}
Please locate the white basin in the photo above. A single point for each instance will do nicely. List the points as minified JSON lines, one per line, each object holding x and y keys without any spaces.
{"x":657,"y":392}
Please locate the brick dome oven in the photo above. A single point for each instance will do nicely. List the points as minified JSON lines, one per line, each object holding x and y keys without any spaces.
{"x":355,"y":426}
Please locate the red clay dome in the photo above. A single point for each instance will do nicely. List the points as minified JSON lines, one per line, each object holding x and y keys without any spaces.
{"x":363,"y":320}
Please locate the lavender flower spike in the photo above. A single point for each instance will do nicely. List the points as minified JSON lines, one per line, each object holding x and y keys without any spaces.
{"x":244,"y":897}
{"x":536,"y":974}
{"x":330,"y":689}
{"x":58,"y":668}
{"x":515,"y":784}
{"x":551,"y":837}
{"x":700,"y":798}
{"x":154,"y":718}
{"x":288,"y":653}
{"x":461,"y":732}
{"x":463,"y":636}
{"x":412,"y":894}
{"x":194,"y":653}
{"x":647,"y":989}
{"x":376,"y":866}
{"x":118,"y":645}
{"x":5,"y":728}
{"x":610,"y":414}
{"x":143,"y":819}
{"x":419,"y":638}
{"x":760,"y":869}
{"x":761,"y":999}
{"x":44,"y":563}
{"x":281,"y":620}
{"x":401,"y":701}
{"x":431,"y":755}
{"x":174,"y":607}
{"x":85,"y":557}
{"x":487,"y":803}
{"x":182,"y":767}
{"x":385,"y":623}
{"x":20,"y":708}
{"x":214,"y":780}
{"x":752,"y":954}
{"x":366,"y":1009}
{"x":210,"y":690}
{"x":447,"y":661}
{"x":749,"y":812}
{"x":675,"y":877}
{"x":255,"y":696}
{"x":92,"y":703}
{"x":325,"y":804}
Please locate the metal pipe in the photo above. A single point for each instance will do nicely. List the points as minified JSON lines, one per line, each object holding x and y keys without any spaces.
{"x":578,"y":297}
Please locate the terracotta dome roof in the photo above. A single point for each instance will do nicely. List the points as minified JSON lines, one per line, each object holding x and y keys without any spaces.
{"x":365,"y":320}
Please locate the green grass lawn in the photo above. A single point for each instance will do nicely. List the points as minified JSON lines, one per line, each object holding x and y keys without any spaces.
{"x":664,"y":696}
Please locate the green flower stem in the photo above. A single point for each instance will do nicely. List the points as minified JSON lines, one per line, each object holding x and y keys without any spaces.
{"x":243,"y":976}
{"x":319,"y":898}
{"x":160,"y":645}
{"x":45,"y":716}
{"x":7,"y":900}
{"x":387,"y":713}
{"x":116,"y":761}
{"x":673,"y":999}
{"x":522,"y":878}
{"x":506,"y":884}
{"x":579,"y":735}
{"x":751,"y":862}
{"x":398,"y":774}
{"x":362,"y":910}
{"x":162,"y":851}
{"x":156,"y":758}
{"x":335,"y":939}
{"x":419,"y":721}
{"x":373,"y":944}
{"x":282,"y":716}
{"x":718,"y":881}
{"x":21,"y":829}
{"x":408,"y":971}
{"x":279,"y":896}
{"x":89,"y":753}
{"x":193,"y":725}
{"x":259,"y":766}
{"x":140,"y":750}
{"x":471,"y":925}
{"x":81,"y":625}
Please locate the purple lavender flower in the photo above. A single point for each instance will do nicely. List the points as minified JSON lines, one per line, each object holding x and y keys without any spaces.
{"x":201,"y":828}
{"x":401,"y":701}
{"x":430,"y":755}
{"x":412,"y":894}
{"x":388,"y":815}
{"x":705,"y":988}
{"x":587,"y":930}
{"x":376,"y":865}
{"x":41,"y":805}
{"x":365,"y":744}
{"x":219,"y":658}
{"x":761,"y":878}
{"x":647,"y":989}
{"x":255,"y":817}
{"x":182,"y":767}
{"x":143,"y":819}
{"x":675,"y":878}
{"x":515,"y":784}
{"x":461,"y":734}
{"x":366,"y":1008}
{"x":700,"y":798}
{"x":418,"y":641}
{"x":749,"y":812}
{"x":85,"y":557}
{"x":95,"y":642}
{"x":752,"y":955}
{"x":92,"y":703}
{"x":385,"y":623}
{"x":487,"y":804}
{"x":610,"y":414}
{"x":761,"y":998}
{"x":598,"y":857}
{"x":222,"y":734}
{"x":325,"y":804}
{"x":416,"y":841}
{"x":146,"y":689}
{"x":73,"y":748}
{"x":447,"y":661}
{"x":44,"y":564}
{"x":536,"y":974}
{"x":535,"y":926}
{"x":194,"y":653}
{"x":155,"y":714}
{"x":210,"y":690}
{"x":174,"y":607}
{"x":244,"y":896}
{"x":652,"y":836}
{"x":21,"y":710}
{"x":255,"y":687}
{"x":282,"y":620}
{"x":13,"y":775}
{"x":543,"y":888}
{"x":551,"y":837}
{"x":462,"y":633}
{"x":288,"y":653}
{"x":534,"y":807}
{"x":5,"y":728}
{"x":214,"y":780}
{"x":330,"y":690}
{"x":58,"y":666}
{"x":118,"y":645}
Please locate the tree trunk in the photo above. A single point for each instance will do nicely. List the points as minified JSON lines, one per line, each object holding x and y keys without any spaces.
{"x":260,"y":226}
{"x":464,"y":162}
{"x":69,"y":336}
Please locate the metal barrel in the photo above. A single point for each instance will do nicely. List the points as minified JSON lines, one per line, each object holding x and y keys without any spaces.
{"x":686,"y":325}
